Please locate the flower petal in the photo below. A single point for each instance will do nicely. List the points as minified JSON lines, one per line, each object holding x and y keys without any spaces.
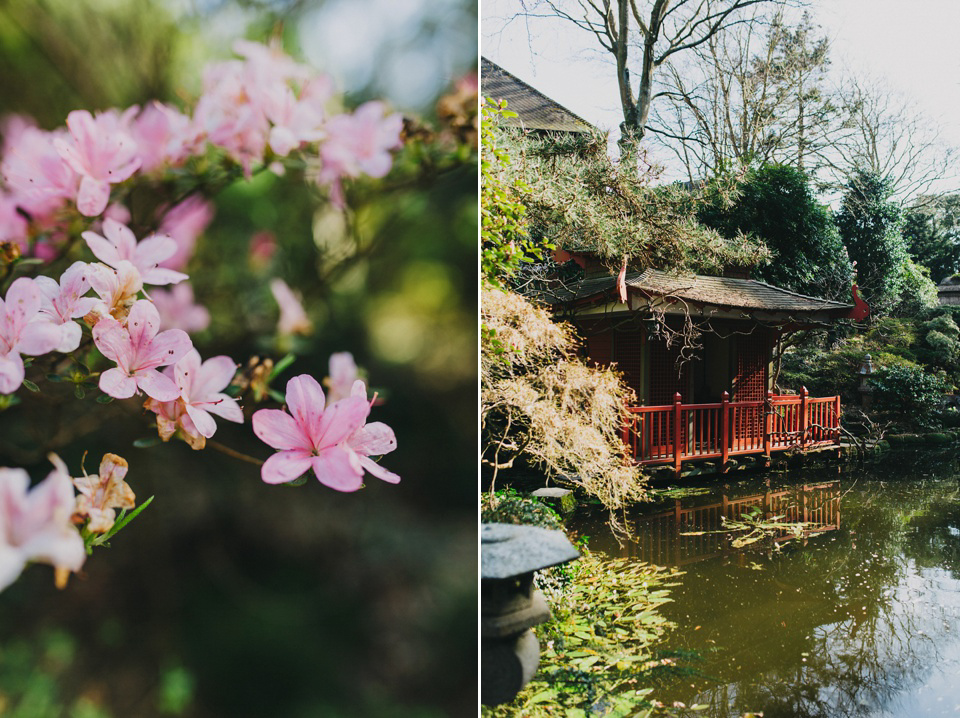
{"x":374,"y":439}
{"x":339,"y":468}
{"x":117,"y":383}
{"x":38,"y":338}
{"x":156,"y":385}
{"x":278,"y":429}
{"x":205,"y":424}
{"x":285,"y":466}
{"x":340,"y":420}
{"x":93,"y":196}
{"x":381,"y":473}
{"x":305,"y":401}
{"x":11,"y":373}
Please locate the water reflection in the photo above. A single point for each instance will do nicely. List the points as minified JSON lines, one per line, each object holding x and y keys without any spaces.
{"x":859,"y":618}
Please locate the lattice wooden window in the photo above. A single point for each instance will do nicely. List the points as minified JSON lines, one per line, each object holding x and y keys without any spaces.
{"x":627,"y":353}
{"x":665,"y":379}
{"x":753,"y":356}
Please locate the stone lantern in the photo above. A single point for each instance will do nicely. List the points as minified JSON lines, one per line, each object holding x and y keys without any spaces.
{"x":510,"y":605}
{"x":866,"y":391}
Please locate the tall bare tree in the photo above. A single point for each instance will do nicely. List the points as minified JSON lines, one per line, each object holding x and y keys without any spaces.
{"x":889,"y":138}
{"x":752,"y":95}
{"x":642,"y":35}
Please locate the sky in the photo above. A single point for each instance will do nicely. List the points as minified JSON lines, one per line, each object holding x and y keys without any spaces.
{"x":909,"y":45}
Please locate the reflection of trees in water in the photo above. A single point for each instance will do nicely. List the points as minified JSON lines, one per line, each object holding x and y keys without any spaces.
{"x":860,"y":618}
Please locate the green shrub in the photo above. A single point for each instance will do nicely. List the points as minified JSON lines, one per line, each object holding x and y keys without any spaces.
{"x":510,"y":507}
{"x":909,"y":393}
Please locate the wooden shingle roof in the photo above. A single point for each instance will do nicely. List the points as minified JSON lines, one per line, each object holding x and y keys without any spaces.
{"x":747,"y":294}
{"x":535,"y":110}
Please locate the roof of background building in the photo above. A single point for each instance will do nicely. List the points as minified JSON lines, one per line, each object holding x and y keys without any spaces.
{"x":535,"y":110}
{"x":717,"y":291}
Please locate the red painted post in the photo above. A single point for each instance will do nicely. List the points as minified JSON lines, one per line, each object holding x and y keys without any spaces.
{"x":836,"y":415}
{"x":677,"y":450}
{"x":724,"y":430}
{"x":767,"y":423}
{"x":804,"y":419}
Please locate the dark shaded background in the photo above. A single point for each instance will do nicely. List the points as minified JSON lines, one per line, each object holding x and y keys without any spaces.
{"x":228,"y":597}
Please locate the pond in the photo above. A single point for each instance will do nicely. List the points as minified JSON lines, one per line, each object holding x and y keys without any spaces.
{"x":858,"y":616}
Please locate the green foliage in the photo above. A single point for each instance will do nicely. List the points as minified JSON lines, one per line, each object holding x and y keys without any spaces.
{"x":507,"y":506}
{"x":31,"y":679}
{"x":776,"y":204}
{"x":931,"y":229}
{"x":869,"y":224}
{"x":579,"y":200}
{"x":504,"y":240}
{"x":917,"y":292}
{"x":599,"y":649}
{"x":911,"y":394}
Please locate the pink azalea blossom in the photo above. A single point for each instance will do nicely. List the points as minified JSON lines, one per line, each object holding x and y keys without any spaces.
{"x":117,"y":288}
{"x":358,"y":144}
{"x":178,"y":310}
{"x":297,"y":120}
{"x":121,"y":244}
{"x":20,"y":333}
{"x":164,"y":136}
{"x":311,"y":437}
{"x":35,"y":524}
{"x":64,"y":301}
{"x":343,"y":373}
{"x":184,"y":223}
{"x":138,"y":349}
{"x":201,"y":394}
{"x":293,"y":318}
{"x":227,"y":118}
{"x":102,"y":152}
{"x":35,"y":173}
{"x":375,"y":439}
{"x":263,"y":245}
{"x":13,"y":227}
{"x":102,"y":493}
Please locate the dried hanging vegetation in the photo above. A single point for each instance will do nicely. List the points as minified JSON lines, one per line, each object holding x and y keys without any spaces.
{"x":579,"y":200}
{"x":539,"y":401}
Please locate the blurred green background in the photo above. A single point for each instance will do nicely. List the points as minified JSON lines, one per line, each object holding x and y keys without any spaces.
{"x":228,"y":597}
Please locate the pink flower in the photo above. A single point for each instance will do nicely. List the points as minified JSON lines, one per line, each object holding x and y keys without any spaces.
{"x":13,"y":227}
{"x":138,"y":350}
{"x":358,"y":144}
{"x":293,"y":318}
{"x":20,"y":333}
{"x":184,"y":223}
{"x":121,"y":244}
{"x":313,"y":437}
{"x":117,"y":288}
{"x":178,"y":310}
{"x":101,"y":493}
{"x":164,"y":136}
{"x":35,"y":525}
{"x":343,"y":373}
{"x":35,"y":173}
{"x":64,"y":301}
{"x":201,"y":394}
{"x":263,"y":245}
{"x":374,"y":439}
{"x":102,"y":152}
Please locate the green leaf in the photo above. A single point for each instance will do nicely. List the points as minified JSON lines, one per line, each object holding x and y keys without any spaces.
{"x":78,"y":391}
{"x":299,"y":481}
{"x":146,"y":442}
{"x":281,"y":365}
{"x":104,"y":399}
{"x":30,"y":385}
{"x":126,"y":518}
{"x":277,"y":396}
{"x":55,"y":378}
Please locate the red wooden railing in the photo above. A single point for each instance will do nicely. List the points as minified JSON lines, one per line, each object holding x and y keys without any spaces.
{"x":683,"y":432}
